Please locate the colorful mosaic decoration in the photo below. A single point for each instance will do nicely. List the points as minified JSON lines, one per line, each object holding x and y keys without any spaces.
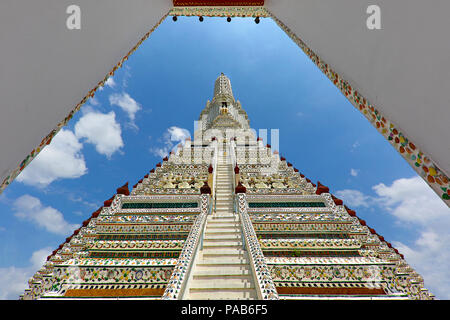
{"x":302,"y":240}
{"x":131,"y":240}
{"x":218,"y":11}
{"x":184,"y":262}
{"x":312,"y":244}
{"x":262,"y":272}
{"x":205,"y":3}
{"x":247,"y":210}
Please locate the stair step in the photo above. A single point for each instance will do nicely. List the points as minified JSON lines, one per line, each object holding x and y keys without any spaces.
{"x":222,"y":245}
{"x":220,"y":232}
{"x":222,"y":270}
{"x":224,"y":208}
{"x":225,"y":229}
{"x":219,"y":227}
{"x":222,"y":284}
{"x":229,"y":273}
{"x":221,"y":236}
{"x":220,"y":222}
{"x":235,"y":267}
{"x":213,"y":224}
{"x":223,"y":262}
{"x":223,"y":295}
{"x":231,"y":218}
{"x":223,"y":253}
{"x":219,"y":241}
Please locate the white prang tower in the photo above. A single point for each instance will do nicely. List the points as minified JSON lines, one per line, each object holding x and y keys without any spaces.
{"x":225,"y":217}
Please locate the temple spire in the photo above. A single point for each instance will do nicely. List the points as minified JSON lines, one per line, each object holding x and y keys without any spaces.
{"x":223,"y":111}
{"x":222,"y":88}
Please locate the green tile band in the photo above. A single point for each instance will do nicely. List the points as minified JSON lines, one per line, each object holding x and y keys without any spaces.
{"x":159,"y":205}
{"x":286,"y":204}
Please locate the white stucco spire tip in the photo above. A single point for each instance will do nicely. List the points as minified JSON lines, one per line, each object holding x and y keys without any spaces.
{"x":222,"y":86}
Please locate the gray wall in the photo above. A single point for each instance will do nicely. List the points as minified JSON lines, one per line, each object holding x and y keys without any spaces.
{"x":403,"y":69}
{"x":46,"y":69}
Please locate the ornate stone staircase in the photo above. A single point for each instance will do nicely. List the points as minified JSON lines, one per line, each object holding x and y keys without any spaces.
{"x":222,"y":270}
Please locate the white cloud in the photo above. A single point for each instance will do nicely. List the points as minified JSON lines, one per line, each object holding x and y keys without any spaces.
{"x":355,"y":146}
{"x":31,"y":209}
{"x":108,"y":83}
{"x":176,"y":134}
{"x":354,"y":198}
{"x":61,"y":159}
{"x":354,"y":172}
{"x":101,"y":130}
{"x":39,"y":257}
{"x":94,"y":101}
{"x":171,"y":139}
{"x":14,"y":281}
{"x":160,"y":152}
{"x":126,"y":103}
{"x":429,"y":255}
{"x":412,"y":201}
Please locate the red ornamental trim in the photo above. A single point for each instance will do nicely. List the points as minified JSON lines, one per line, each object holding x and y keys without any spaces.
{"x":124,"y":190}
{"x":108,"y":202}
{"x":240,"y":188}
{"x":217,"y":3}
{"x":76,"y":232}
{"x":205,"y":189}
{"x":94,"y":215}
{"x":338,"y":202}
{"x":321,"y":188}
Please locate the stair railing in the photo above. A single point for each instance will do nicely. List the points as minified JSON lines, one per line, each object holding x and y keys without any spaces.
{"x":265,"y":287}
{"x":214,"y":165}
{"x":181,"y":274}
{"x":236,"y":212}
{"x":233,"y":161}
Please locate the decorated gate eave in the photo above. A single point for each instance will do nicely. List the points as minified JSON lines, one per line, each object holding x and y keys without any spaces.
{"x":423,"y":164}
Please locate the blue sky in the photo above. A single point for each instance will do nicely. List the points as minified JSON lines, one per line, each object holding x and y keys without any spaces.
{"x":151,"y":104}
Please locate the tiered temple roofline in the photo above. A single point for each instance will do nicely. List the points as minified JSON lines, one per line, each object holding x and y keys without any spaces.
{"x":303,"y":241}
